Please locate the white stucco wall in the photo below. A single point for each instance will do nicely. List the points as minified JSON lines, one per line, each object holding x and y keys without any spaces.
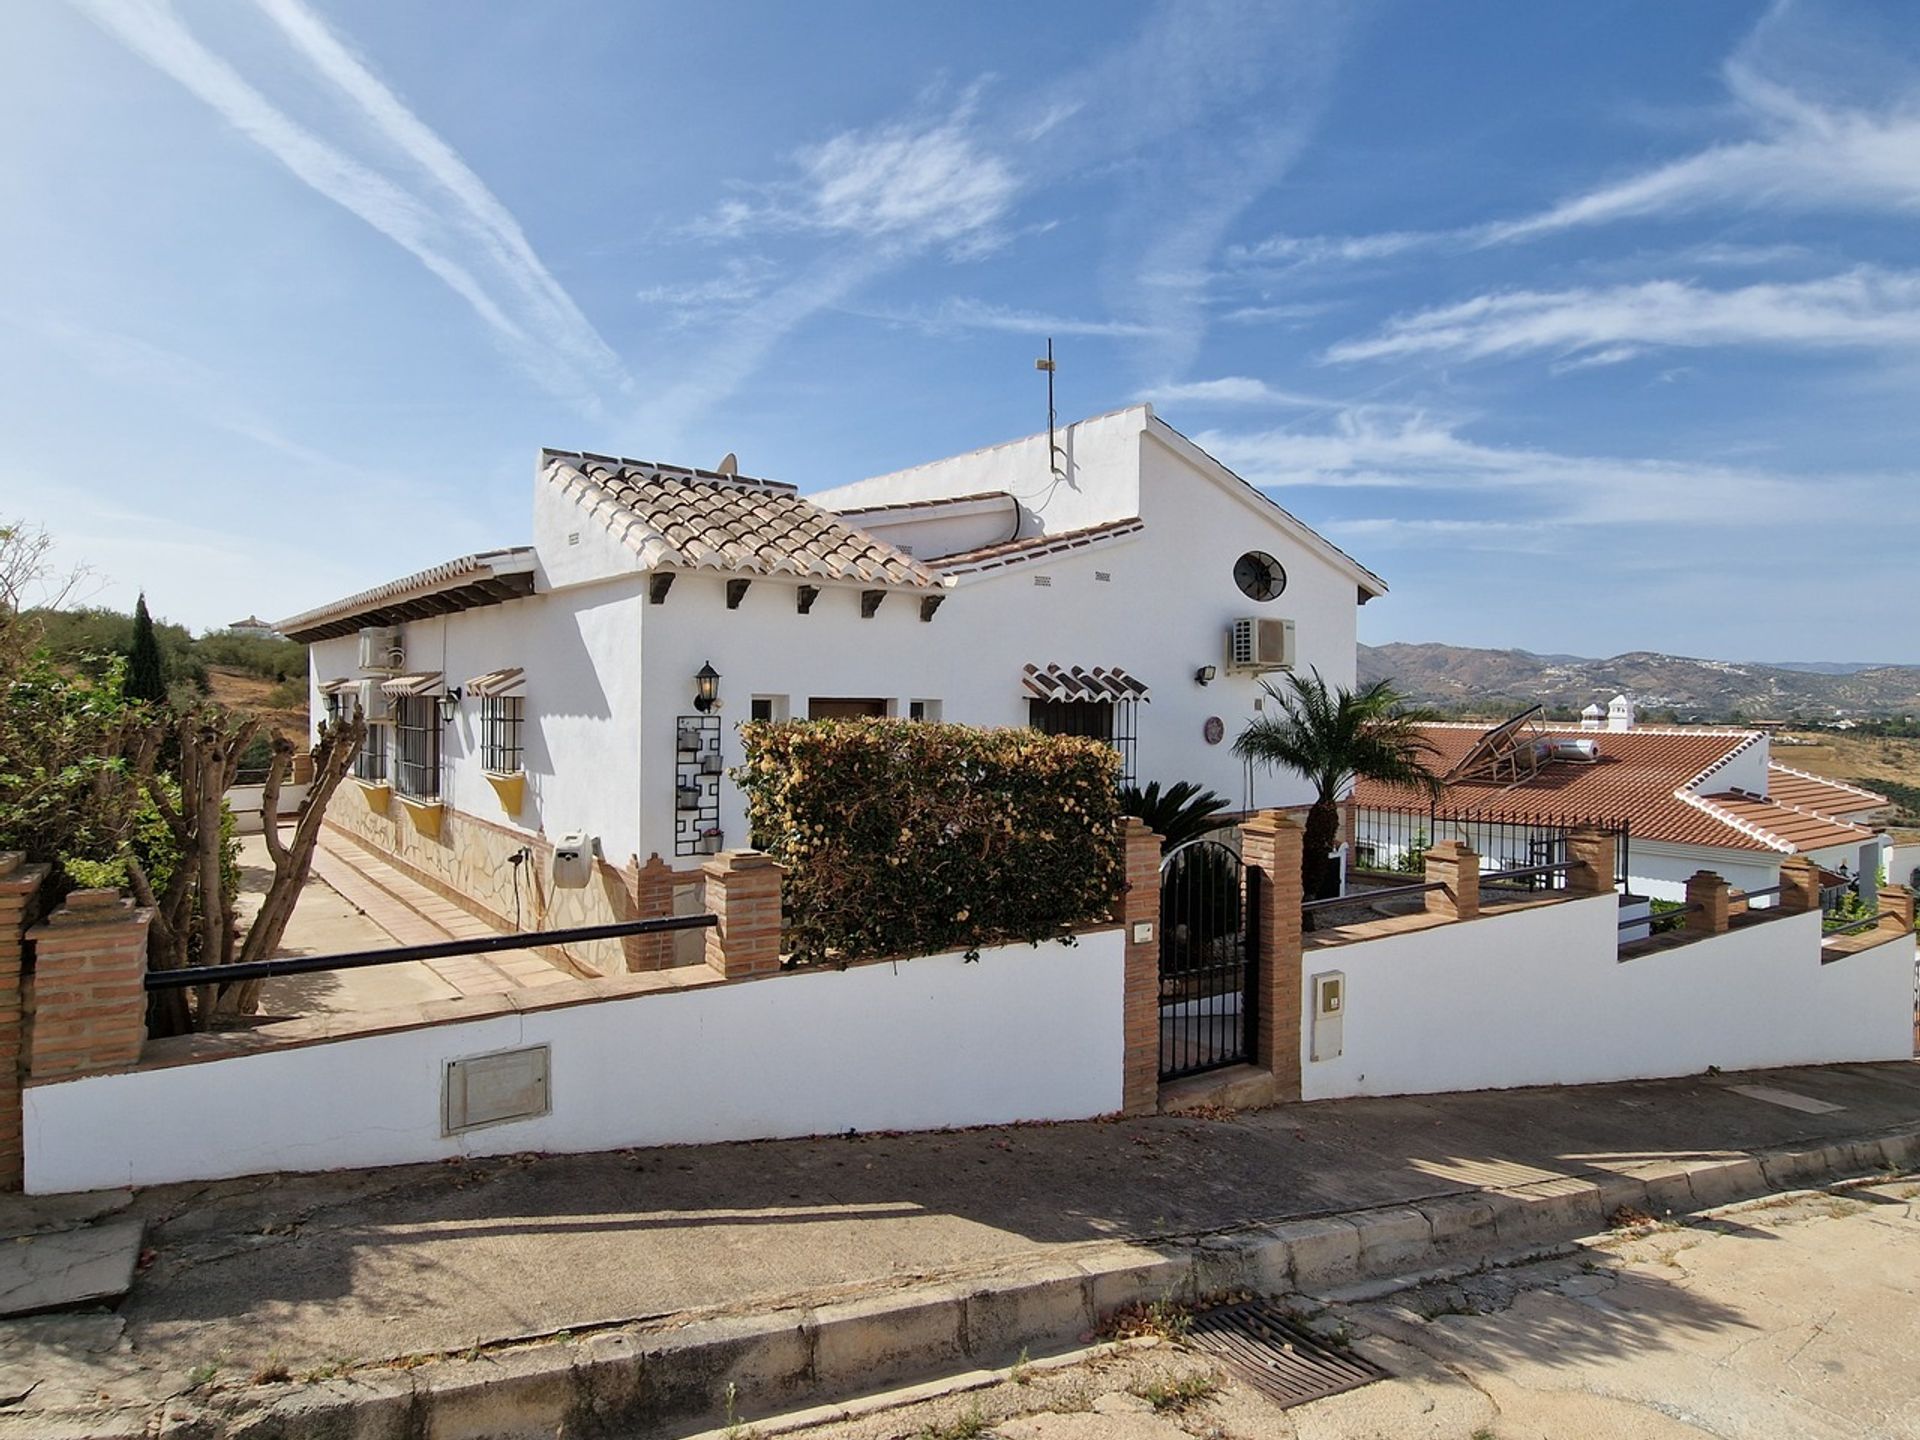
{"x":1539,"y":997}
{"x":1024,"y":1034}
{"x":1661,"y":871}
{"x":580,"y":649}
{"x":1902,"y":861}
{"x":1161,"y":613}
{"x":1099,"y":460}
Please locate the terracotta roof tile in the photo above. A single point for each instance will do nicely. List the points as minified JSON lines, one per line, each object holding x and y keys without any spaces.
{"x":1033,"y":547}
{"x":680,"y":519}
{"x":1816,"y":792}
{"x":1787,"y":829}
{"x":1635,"y":779}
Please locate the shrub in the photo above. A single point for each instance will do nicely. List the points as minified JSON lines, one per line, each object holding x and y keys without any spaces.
{"x":904,"y":838}
{"x":1185,"y":812}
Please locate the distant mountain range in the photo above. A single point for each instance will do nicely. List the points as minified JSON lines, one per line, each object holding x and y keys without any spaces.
{"x":1499,"y":682}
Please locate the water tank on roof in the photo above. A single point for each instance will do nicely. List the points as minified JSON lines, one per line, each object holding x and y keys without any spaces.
{"x":1569,"y":747}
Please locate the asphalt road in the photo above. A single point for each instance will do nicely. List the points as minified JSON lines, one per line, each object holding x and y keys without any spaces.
{"x":1793,"y":1318}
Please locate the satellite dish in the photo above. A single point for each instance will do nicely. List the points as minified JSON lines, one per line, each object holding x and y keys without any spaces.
{"x":729,"y":464}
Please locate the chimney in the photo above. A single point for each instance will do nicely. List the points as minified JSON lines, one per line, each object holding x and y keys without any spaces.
{"x":1620,"y":713}
{"x":1593,"y":717}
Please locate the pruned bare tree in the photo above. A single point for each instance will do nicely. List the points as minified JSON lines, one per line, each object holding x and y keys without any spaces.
{"x":193,"y":918}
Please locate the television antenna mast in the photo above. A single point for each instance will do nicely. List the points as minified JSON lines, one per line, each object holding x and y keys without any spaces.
{"x":1053,"y":450}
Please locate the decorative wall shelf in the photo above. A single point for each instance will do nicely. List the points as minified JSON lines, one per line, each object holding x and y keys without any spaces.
{"x":697,"y":768}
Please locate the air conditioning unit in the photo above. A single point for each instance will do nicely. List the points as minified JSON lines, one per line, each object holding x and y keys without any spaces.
{"x":1254,"y":645}
{"x":374,"y":704}
{"x":380,"y":649}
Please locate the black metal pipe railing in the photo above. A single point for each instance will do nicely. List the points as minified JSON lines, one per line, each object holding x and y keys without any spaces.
{"x":1862,"y":924}
{"x":1658,"y":915}
{"x":399,"y":954}
{"x":1526,"y":872}
{"x":1365,"y":897}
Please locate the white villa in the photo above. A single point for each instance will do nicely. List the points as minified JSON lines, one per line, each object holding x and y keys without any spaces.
{"x":576,"y":698}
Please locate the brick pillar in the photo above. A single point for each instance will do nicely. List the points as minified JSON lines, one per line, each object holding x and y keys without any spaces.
{"x":1799,"y":885}
{"x":1714,"y":897}
{"x":89,"y":1006}
{"x":743,"y":890}
{"x":1454,"y":866}
{"x":1270,"y":846}
{"x":1591,"y":853}
{"x":1140,"y":916}
{"x":650,"y":890}
{"x":1896,"y":910}
{"x":19,"y":888}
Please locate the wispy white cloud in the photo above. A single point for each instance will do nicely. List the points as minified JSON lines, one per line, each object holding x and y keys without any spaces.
{"x":963,"y":313}
{"x":476,"y":249}
{"x":1235,"y":390}
{"x":1809,"y":155}
{"x":1292,"y":251}
{"x":1275,"y":314}
{"x":915,"y":183}
{"x":1390,"y":448}
{"x":1865,"y":308}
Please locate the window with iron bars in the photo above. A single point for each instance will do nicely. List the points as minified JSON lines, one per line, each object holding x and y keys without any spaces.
{"x":370,"y":760}
{"x":501,"y":721}
{"x":416,"y":736}
{"x":1107,"y":720}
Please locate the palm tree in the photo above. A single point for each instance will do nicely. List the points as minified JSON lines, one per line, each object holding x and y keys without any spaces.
{"x":1334,"y":737}
{"x":1184,"y":813}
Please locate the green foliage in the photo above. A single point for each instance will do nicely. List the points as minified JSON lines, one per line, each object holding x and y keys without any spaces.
{"x":63,"y":785}
{"x":92,"y":640}
{"x":146,"y":670}
{"x":1850,"y":911}
{"x":281,"y":660}
{"x":1185,"y":812}
{"x":91,"y":637}
{"x":1334,"y":736}
{"x":908,"y":839}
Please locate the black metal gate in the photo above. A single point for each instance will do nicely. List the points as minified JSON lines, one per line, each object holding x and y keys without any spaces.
{"x":1207,"y":945}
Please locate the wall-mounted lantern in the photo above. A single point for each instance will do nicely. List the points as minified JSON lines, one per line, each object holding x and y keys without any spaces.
{"x":1204,"y":675}
{"x":450,"y":706}
{"x":707,"y":689}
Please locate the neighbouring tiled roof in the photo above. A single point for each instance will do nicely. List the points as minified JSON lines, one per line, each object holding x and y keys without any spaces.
{"x":1635,"y":779}
{"x":1816,"y":792}
{"x":486,"y":578}
{"x":932,"y":502}
{"x":1074,"y":683}
{"x":1034,"y":547}
{"x":680,"y":519}
{"x":1784,"y":828}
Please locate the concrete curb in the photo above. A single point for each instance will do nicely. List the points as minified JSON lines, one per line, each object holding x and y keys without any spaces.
{"x":629,"y":1380}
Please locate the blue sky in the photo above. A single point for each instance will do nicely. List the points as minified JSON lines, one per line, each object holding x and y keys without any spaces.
{"x":1590,"y":328}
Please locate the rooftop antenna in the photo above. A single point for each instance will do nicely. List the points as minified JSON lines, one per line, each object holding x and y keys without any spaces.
{"x":1053,"y":450}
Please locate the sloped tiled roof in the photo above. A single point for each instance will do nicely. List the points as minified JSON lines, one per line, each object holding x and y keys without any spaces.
{"x":487,"y":578}
{"x":1816,"y":792}
{"x":1034,"y":547}
{"x":1635,"y":779}
{"x":679,"y":519}
{"x":1075,"y":683}
{"x":1784,"y":827}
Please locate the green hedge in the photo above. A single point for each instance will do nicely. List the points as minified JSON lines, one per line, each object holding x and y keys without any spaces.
{"x":909,"y":839}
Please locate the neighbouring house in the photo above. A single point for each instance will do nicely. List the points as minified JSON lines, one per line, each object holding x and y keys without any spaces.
{"x":255,"y":626}
{"x":573,"y":702}
{"x":1689,"y":799}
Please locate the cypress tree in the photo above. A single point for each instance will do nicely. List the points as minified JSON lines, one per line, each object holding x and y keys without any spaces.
{"x":146,"y":667}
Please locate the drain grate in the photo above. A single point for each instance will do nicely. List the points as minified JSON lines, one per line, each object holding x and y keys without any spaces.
{"x":1277,"y":1355}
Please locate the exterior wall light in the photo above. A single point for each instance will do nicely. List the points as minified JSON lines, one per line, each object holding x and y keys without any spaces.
{"x":707,"y":689}
{"x":1204,"y":675}
{"x":450,"y":706}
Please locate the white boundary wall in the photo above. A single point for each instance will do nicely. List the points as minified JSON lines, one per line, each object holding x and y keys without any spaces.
{"x":1538,"y":997}
{"x":1024,"y":1034}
